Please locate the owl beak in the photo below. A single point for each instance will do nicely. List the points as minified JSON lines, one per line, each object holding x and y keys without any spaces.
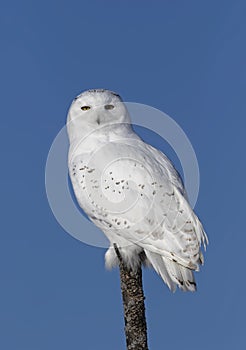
{"x":98,"y":121}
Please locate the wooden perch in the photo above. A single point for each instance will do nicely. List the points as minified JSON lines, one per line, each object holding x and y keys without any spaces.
{"x":133,"y":302}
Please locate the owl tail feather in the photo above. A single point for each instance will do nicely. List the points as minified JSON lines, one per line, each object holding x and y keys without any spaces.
{"x":172,"y":273}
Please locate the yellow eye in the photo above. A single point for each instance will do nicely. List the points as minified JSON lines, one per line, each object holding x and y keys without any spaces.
{"x":85,"y":108}
{"x":109,"y":106}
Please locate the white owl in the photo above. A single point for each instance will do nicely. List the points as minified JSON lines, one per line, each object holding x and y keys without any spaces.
{"x":131,"y":191}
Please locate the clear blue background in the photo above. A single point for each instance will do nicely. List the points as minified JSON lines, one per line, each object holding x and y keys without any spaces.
{"x":186,"y":58}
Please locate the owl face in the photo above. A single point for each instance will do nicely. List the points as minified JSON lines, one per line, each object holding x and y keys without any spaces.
{"x":97,"y":108}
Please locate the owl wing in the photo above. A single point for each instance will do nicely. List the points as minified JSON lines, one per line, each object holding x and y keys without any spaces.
{"x":171,"y":234}
{"x":170,"y":228}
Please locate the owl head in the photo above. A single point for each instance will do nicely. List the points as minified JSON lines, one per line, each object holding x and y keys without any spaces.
{"x":94,"y":109}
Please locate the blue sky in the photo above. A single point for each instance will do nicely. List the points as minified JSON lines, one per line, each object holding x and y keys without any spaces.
{"x":186,"y":58}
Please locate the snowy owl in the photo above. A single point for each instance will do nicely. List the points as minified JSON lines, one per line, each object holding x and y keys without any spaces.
{"x":131,"y":191}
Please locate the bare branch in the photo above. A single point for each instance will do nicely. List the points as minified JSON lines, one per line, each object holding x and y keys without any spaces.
{"x":133,"y":302}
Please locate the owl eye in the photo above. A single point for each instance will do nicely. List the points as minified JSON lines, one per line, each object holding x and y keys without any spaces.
{"x":109,"y":106}
{"x":85,"y":108}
